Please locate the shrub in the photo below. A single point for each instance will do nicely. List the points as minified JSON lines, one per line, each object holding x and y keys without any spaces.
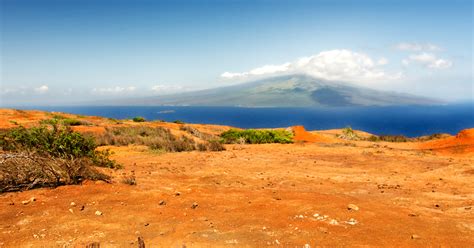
{"x":388,"y":138}
{"x":56,"y":141}
{"x":348,"y":134}
{"x":252,"y":136}
{"x":64,"y":121}
{"x":178,"y":122}
{"x":23,"y":170}
{"x":138,"y":119}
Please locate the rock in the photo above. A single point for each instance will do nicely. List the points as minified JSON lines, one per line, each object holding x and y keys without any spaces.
{"x":277,"y":242}
{"x":352,"y":207}
{"x":162,"y":203}
{"x":70,"y":210}
{"x":195,"y":205}
{"x":32,"y":199}
{"x":333,"y":222}
{"x":352,"y":221}
{"x":177,"y":193}
{"x":414,"y":236}
{"x":73,"y":204}
{"x":98,"y":213}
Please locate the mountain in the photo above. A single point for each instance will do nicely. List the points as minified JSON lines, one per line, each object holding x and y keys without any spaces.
{"x":285,"y":91}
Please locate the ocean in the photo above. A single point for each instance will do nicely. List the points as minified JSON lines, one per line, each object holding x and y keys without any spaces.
{"x":405,"y":120}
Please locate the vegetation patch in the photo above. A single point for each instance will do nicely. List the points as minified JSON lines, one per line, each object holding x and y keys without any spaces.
{"x":252,"y":136}
{"x":139,"y":119}
{"x":348,"y":134}
{"x":55,"y":141}
{"x":48,"y":156}
{"x":157,"y":138}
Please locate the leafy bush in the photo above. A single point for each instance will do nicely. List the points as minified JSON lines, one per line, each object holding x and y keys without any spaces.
{"x":178,"y":122}
{"x":56,"y":141}
{"x":157,"y":138}
{"x":139,"y":119}
{"x":252,"y":136}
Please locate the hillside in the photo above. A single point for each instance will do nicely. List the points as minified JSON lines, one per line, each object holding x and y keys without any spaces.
{"x":283,"y":91}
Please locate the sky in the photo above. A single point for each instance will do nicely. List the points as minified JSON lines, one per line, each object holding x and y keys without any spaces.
{"x":65,"y":51}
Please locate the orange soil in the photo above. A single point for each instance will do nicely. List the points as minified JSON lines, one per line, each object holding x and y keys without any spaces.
{"x":300,"y":134}
{"x":259,"y":196}
{"x":462,"y":143}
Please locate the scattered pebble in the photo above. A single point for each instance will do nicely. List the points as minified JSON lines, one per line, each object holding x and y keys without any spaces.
{"x":70,"y":210}
{"x":333,"y":222}
{"x":98,"y":213}
{"x":195,"y":205}
{"x":414,"y":236}
{"x":277,"y":242}
{"x":162,"y":203}
{"x":352,"y":207}
{"x":32,"y":199}
{"x":73,"y":204}
{"x":352,"y":221}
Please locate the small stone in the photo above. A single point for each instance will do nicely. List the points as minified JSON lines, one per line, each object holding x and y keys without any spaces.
{"x":353,"y":207}
{"x":194,"y":206}
{"x":73,"y":204}
{"x":177,"y":193}
{"x":70,"y":210}
{"x":277,"y":242}
{"x":32,"y":199}
{"x":414,"y":236}
{"x":351,"y":221}
{"x":162,"y":203}
{"x":333,"y":222}
{"x":412,"y":214}
{"x":82,"y":208}
{"x":98,"y":213}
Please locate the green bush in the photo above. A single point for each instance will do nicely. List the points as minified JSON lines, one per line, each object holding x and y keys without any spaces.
{"x":252,"y":136}
{"x":56,"y":141}
{"x":138,"y":119}
{"x":178,"y":122}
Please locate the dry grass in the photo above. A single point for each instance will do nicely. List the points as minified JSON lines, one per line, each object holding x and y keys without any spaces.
{"x":157,"y":138}
{"x":22,"y":171}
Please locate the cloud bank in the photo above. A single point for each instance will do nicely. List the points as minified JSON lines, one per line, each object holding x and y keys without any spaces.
{"x":339,"y":64}
{"x":428,"y":60}
{"x":416,"y":47}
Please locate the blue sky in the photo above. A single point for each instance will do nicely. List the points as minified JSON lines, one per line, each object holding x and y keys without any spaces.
{"x":78,"y":50}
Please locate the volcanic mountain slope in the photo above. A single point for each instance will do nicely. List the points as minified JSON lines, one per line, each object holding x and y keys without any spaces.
{"x":284,"y":91}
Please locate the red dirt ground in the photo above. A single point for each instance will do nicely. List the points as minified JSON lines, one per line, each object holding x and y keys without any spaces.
{"x":259,"y":196}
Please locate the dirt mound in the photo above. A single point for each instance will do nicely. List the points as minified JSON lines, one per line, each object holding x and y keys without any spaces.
{"x":300,"y":134}
{"x":462,"y":143}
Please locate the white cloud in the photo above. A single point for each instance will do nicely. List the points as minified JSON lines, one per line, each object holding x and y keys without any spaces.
{"x":417,"y":47}
{"x":114,"y":90}
{"x":161,"y":88}
{"x":340,"y":64}
{"x":428,"y":60}
{"x":42,"y":89}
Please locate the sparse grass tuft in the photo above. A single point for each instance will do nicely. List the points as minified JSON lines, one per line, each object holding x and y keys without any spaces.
{"x":157,"y":138}
{"x":348,"y":134}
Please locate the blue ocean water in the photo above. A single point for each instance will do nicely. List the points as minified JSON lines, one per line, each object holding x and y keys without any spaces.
{"x":406,"y":120}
